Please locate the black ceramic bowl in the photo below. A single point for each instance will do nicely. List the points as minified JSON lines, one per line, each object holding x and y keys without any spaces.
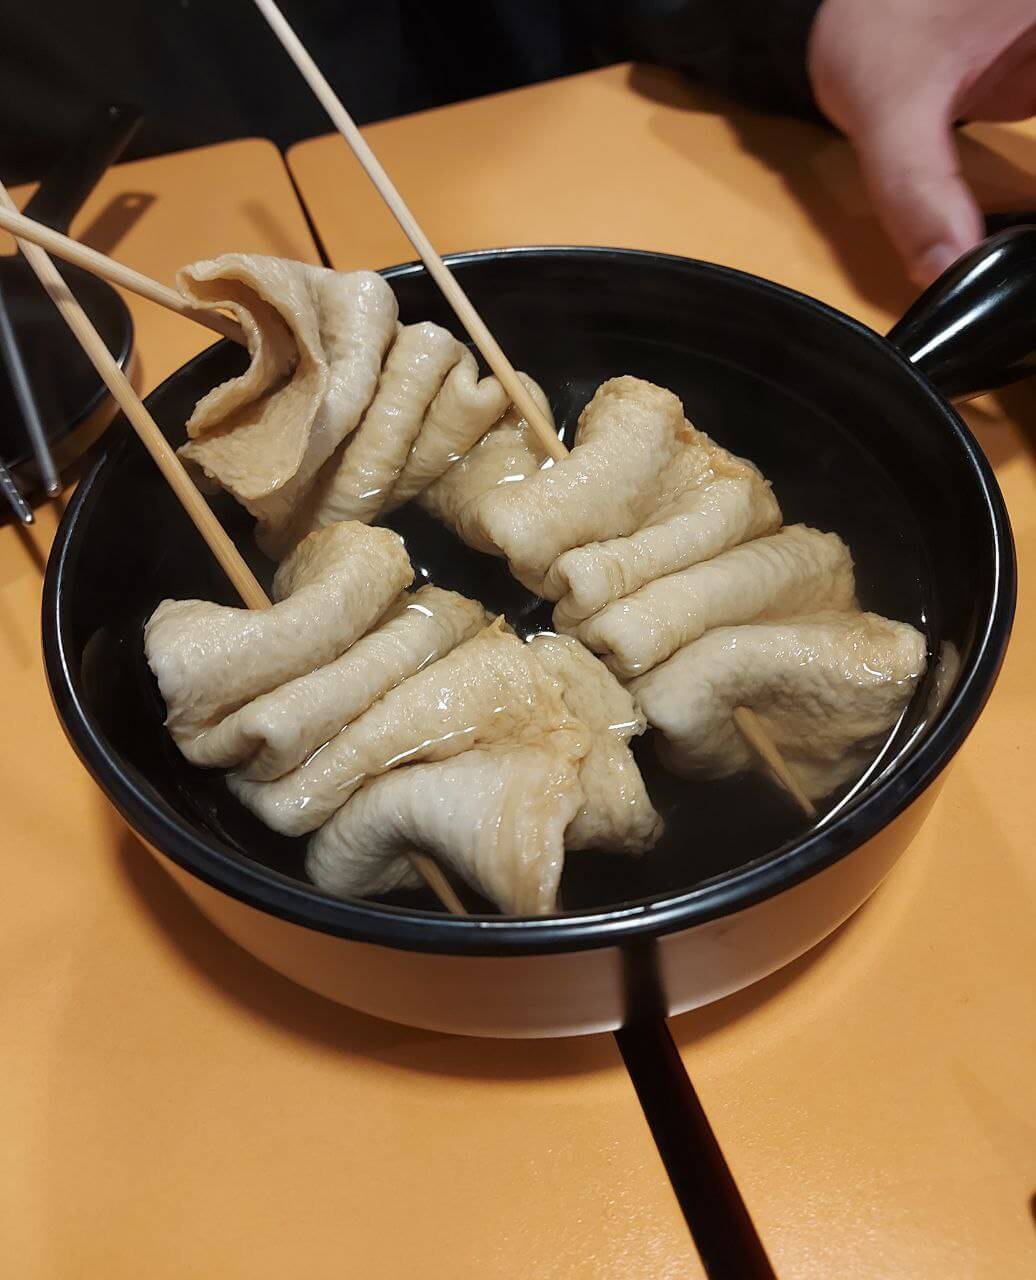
{"x":855,"y":440}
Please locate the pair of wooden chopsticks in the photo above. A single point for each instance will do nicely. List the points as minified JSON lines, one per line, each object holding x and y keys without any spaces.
{"x":35,"y":240}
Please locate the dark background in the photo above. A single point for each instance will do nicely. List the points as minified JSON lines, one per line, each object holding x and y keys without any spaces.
{"x":206,"y":70}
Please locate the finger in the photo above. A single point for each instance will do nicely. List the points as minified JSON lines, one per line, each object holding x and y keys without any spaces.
{"x":913,"y":171}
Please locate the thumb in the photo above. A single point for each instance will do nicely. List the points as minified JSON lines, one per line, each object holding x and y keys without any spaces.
{"x":912,"y":168}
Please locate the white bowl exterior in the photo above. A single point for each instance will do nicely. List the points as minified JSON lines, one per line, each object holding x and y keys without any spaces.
{"x":565,"y":993}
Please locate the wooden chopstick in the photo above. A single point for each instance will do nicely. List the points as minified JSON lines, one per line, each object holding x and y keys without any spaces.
{"x":99,"y":264}
{"x":437,"y":269}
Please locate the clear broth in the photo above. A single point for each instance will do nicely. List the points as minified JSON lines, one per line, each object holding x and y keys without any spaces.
{"x":822,"y":475}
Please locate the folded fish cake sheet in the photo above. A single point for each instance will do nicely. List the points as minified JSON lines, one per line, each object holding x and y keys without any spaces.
{"x":641,"y":494}
{"x":489,"y":689}
{"x":798,"y":570}
{"x":211,"y":659}
{"x":316,"y":341}
{"x":727,"y":505}
{"x":503,"y":816}
{"x":355,"y":483}
{"x":827,"y":688}
{"x":463,"y":411}
{"x":497,"y":816}
{"x":616,"y":813}
{"x":430,"y":407}
{"x":342,"y":413}
{"x":279,"y":730}
{"x":627,"y":441}
{"x":505,"y":455}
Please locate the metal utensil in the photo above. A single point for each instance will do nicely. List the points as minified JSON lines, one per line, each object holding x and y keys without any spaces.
{"x":16,"y":371}
{"x":14,"y":497}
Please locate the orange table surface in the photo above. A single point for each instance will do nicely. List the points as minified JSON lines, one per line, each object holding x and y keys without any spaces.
{"x":877,"y":1100}
{"x":170,"y":1108}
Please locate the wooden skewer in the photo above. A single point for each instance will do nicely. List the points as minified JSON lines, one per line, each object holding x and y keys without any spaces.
{"x":751,"y":729}
{"x":435,"y":878}
{"x":748,"y":723}
{"x":99,"y":264}
{"x":437,"y":269}
{"x":183,"y":486}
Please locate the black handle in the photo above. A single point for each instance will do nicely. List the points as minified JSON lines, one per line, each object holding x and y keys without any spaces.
{"x":974,"y":329}
{"x":64,"y":189}
{"x":717,"y":1216}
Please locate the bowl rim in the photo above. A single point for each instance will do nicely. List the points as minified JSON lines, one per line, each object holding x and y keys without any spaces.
{"x":258,"y":886}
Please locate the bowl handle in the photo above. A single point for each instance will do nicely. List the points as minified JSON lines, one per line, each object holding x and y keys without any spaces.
{"x":974,"y":329}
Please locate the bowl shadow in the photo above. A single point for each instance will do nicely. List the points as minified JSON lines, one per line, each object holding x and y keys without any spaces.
{"x":235,"y":976}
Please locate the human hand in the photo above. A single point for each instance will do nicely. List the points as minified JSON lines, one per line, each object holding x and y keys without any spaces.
{"x":894,"y":76}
